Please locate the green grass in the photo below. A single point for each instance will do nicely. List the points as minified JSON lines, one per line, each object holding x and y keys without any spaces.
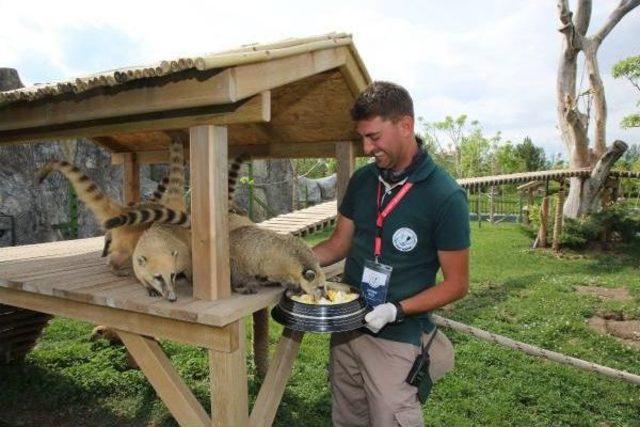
{"x":523,"y":294}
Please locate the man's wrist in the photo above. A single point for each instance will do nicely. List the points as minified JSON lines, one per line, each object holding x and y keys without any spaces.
{"x":400,"y":314}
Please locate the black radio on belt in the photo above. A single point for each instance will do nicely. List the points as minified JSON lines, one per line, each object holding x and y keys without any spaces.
{"x":419,"y":369}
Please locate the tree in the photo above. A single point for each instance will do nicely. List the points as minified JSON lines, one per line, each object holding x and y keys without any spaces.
{"x":533,"y":157}
{"x":630,"y":69}
{"x":573,"y":123}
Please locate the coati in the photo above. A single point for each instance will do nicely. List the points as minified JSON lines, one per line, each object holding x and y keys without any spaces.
{"x":258,"y":257}
{"x":163,"y":253}
{"x":261,"y":257}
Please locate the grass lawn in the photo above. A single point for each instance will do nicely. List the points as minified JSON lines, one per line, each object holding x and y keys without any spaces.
{"x":523,"y":294}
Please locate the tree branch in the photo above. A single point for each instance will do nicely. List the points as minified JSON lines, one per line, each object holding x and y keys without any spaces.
{"x":582,"y":17}
{"x":623,"y":8}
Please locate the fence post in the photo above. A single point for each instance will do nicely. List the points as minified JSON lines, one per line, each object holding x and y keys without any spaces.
{"x":478,"y":195}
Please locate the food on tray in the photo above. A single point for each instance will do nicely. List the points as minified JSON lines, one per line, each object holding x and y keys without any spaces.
{"x":333,"y":297}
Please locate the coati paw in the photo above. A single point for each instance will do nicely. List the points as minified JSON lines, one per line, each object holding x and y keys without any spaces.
{"x":272,"y":284}
{"x":245,"y":290}
{"x":122,"y":272}
{"x":153,"y":293}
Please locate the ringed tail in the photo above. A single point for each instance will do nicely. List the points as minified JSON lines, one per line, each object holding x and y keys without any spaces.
{"x":102,"y":206}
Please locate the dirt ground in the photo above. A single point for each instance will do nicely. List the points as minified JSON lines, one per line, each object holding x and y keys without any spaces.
{"x":614,"y":324}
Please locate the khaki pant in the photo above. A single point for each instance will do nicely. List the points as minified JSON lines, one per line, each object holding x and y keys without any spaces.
{"x":368,"y":379}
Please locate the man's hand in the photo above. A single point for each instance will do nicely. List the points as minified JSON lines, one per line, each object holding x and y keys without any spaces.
{"x":380,"y":316}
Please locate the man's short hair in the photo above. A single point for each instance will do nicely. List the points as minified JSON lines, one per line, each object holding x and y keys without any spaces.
{"x":385,"y":99}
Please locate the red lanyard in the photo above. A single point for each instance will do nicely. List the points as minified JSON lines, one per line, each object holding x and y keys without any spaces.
{"x":377,"y":248}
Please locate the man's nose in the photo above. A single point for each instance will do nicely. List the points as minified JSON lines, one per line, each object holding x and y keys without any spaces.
{"x":367,"y":146}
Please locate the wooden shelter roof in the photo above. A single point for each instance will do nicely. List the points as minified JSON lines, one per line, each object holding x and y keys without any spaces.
{"x":296,"y":91}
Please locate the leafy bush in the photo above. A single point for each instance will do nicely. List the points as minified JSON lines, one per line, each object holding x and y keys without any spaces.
{"x":614,"y":224}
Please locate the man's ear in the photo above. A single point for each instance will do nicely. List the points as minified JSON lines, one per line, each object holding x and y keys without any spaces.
{"x":406,"y":125}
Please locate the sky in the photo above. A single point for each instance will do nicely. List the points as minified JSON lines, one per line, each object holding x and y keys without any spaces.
{"x":494,"y":60}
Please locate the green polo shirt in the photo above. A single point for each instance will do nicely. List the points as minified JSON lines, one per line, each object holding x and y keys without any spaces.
{"x":432,"y":216}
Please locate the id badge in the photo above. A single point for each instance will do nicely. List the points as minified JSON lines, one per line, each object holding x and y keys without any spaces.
{"x":375,"y":282}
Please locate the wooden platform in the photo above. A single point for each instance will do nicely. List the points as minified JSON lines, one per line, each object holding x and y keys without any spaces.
{"x":74,"y":271}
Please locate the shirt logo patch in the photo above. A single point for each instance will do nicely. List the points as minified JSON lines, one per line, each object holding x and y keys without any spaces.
{"x":405,"y":239}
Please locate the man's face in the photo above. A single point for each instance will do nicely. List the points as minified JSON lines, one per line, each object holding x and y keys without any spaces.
{"x":382,"y":139}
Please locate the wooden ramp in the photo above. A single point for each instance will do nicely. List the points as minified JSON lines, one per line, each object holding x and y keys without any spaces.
{"x":304,"y":221}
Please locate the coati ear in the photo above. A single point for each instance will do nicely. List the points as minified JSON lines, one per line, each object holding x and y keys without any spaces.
{"x":309,"y":274}
{"x":142,"y":260}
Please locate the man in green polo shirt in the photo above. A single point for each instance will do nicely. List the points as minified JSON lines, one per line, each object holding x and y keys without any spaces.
{"x":401,"y":220}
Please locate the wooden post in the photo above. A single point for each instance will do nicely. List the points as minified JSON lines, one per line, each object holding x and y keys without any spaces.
{"x":261,"y":341}
{"x":130,"y":179}
{"x":478,"y":213}
{"x":209,"y":219}
{"x":211,"y":275}
{"x":557,"y":227}
{"x":544,"y":215}
{"x":346,"y":163}
{"x":229,"y":389}
{"x":492,"y":204}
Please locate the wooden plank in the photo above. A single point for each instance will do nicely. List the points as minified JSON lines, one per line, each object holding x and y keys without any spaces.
{"x":130,"y":179}
{"x":209,"y":219}
{"x":155,"y":365}
{"x":346,"y":165}
{"x":218,"y":338}
{"x":229,"y":388}
{"x":270,"y":394}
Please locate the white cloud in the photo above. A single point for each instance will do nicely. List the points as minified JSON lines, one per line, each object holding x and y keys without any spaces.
{"x":493,"y":60}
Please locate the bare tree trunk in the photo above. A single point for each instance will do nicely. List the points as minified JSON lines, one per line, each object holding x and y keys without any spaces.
{"x":584,"y":196}
{"x":573,"y":123}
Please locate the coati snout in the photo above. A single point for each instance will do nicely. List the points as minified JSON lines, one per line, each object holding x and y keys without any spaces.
{"x":162,"y":256}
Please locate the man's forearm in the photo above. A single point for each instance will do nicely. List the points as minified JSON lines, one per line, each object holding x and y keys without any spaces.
{"x":328,"y":253}
{"x":435,"y":297}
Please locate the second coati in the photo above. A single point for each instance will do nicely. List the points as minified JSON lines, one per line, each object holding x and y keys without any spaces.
{"x":261,"y":257}
{"x":163,"y":252}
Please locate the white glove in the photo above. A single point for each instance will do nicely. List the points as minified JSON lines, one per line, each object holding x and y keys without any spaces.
{"x":380,"y":316}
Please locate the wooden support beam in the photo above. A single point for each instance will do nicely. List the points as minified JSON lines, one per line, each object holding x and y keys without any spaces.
{"x":346,"y":164}
{"x":209,"y":219}
{"x":270,"y":394}
{"x":254,"y":78}
{"x":130,"y":178}
{"x":261,"y":341}
{"x":356,"y":81}
{"x":118,"y":105}
{"x":155,"y":365}
{"x":229,"y":388}
{"x":254,"y":110}
{"x":219,"y":338}
{"x":276,"y":150}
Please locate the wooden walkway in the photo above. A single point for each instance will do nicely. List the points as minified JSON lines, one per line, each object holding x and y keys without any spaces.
{"x":520,"y":178}
{"x":304,"y":221}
